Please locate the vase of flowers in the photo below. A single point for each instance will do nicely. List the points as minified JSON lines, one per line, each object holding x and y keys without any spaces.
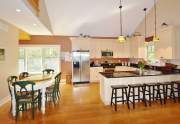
{"x":141,"y":66}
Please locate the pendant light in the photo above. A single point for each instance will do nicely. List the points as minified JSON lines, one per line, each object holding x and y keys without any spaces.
{"x":121,"y":38}
{"x":155,"y":37}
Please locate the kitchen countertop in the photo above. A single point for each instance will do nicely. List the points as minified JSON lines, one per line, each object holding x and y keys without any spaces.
{"x":132,"y":77}
{"x":135,"y":74}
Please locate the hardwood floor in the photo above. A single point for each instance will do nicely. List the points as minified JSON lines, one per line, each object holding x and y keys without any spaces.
{"x":81,"y":105}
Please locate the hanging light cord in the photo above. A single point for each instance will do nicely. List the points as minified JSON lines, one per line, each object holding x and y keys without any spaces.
{"x":145,"y":9}
{"x":120,"y":7}
{"x":155,"y":17}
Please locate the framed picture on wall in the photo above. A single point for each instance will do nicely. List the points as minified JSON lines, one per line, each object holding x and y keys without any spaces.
{"x":2,"y":54}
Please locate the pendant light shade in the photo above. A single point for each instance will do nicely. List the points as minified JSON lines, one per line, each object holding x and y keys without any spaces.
{"x":121,"y":38}
{"x":155,"y":38}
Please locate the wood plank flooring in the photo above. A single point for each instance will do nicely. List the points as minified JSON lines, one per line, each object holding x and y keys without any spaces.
{"x":81,"y":105}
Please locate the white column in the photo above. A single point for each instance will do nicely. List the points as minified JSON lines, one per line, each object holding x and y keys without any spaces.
{"x":13,"y":102}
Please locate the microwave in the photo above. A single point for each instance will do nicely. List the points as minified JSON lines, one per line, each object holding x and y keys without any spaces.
{"x":106,"y":53}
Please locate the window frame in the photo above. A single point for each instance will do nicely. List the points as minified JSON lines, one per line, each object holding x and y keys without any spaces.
{"x":42,"y":58}
{"x":150,"y":44}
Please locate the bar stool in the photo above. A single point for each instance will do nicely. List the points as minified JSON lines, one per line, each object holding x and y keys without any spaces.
{"x":152,"y":90}
{"x":139,"y":95}
{"x":168,"y":91}
{"x":122,"y":95}
{"x":176,"y":88}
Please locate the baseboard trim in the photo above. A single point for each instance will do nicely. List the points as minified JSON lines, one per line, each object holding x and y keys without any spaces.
{"x":4,"y":100}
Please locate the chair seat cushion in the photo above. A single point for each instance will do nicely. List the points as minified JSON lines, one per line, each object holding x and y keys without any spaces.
{"x":119,"y":86}
{"x":152,"y":84}
{"x":50,"y":89}
{"x":135,"y":85}
{"x":166,"y":83}
{"x":27,"y":99}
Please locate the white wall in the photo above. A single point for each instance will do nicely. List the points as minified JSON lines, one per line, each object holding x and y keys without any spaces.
{"x":8,"y":41}
{"x":167,"y":11}
{"x":169,"y":45}
{"x":97,"y":45}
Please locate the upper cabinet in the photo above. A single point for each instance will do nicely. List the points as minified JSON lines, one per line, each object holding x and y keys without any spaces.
{"x":95,"y":46}
{"x":137,"y":47}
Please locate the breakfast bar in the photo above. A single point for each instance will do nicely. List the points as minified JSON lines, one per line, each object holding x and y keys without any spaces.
{"x":132,"y":77}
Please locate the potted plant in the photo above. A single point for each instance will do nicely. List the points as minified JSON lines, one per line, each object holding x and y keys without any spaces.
{"x":141,"y":66}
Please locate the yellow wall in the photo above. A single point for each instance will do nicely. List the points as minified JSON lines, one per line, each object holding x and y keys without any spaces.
{"x":24,"y":36}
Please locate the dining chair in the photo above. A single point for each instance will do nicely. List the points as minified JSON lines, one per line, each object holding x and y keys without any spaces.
{"x":48,"y":71}
{"x":23,"y":75}
{"x":10,"y":81}
{"x":25,"y":94}
{"x":53,"y":92}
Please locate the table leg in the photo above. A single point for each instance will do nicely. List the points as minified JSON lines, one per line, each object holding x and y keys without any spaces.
{"x":13,"y":103}
{"x":43,"y":100}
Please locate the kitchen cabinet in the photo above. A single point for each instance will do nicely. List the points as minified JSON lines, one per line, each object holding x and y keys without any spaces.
{"x":94,"y":74}
{"x":95,"y":46}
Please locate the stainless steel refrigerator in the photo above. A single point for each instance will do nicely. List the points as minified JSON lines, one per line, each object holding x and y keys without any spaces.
{"x":81,"y":66}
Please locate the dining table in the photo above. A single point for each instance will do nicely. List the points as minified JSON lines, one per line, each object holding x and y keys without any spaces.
{"x":42,"y":81}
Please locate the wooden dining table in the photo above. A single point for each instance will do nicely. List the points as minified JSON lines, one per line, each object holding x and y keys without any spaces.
{"x":42,"y":81}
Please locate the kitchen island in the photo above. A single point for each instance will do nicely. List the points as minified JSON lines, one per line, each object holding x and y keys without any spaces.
{"x":132,"y":77}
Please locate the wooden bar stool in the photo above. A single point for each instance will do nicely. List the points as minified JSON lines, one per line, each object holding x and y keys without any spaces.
{"x":176,"y":88}
{"x":168,"y":91}
{"x":139,"y":95}
{"x":152,"y":90}
{"x":119,"y":96}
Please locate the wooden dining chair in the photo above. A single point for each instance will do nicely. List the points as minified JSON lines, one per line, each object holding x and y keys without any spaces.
{"x":53,"y":92}
{"x":10,"y":81}
{"x":23,"y":75}
{"x":48,"y":71}
{"x":25,"y":96}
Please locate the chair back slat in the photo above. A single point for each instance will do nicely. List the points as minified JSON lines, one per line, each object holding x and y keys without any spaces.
{"x":26,"y":89}
{"x":11,"y":80}
{"x":57,"y":81}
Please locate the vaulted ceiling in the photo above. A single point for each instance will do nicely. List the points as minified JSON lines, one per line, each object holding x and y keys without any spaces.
{"x":73,"y":17}
{"x":95,"y":17}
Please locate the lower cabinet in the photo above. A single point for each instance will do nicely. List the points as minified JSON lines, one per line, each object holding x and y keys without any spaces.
{"x":94,"y":73}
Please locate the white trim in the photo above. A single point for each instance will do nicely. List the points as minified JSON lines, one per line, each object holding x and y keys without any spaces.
{"x":40,"y":45}
{"x":4,"y":100}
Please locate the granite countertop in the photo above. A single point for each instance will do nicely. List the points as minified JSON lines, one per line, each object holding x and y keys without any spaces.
{"x":135,"y":74}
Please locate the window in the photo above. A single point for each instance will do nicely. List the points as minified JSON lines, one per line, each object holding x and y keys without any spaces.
{"x":150,"y":52}
{"x":34,"y":59}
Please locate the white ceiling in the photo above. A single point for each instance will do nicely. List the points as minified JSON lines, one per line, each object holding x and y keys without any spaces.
{"x":95,"y":17}
{"x":73,"y":17}
{"x":24,"y":20}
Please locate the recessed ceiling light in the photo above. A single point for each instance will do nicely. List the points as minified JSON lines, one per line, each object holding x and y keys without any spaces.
{"x":34,"y":24}
{"x":18,"y":10}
